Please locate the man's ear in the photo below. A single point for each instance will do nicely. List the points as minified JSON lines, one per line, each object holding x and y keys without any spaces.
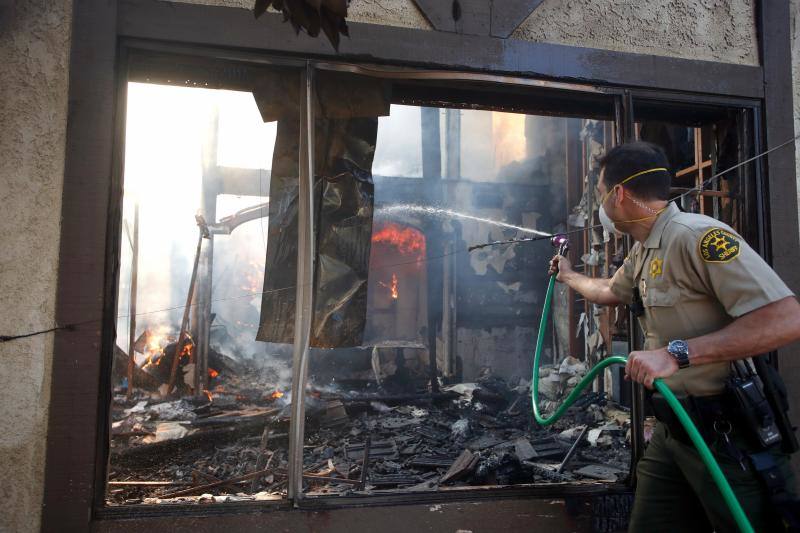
{"x":618,"y":194}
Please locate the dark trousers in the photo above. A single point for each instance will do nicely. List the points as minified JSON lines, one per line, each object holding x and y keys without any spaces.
{"x":675,"y":493}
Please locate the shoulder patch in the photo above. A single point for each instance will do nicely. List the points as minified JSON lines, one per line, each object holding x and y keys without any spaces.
{"x":719,"y":246}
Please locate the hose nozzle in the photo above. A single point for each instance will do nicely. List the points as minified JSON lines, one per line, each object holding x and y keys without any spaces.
{"x":561,"y":242}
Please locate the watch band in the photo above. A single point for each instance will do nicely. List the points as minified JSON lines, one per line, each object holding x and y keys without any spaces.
{"x":680,"y":351}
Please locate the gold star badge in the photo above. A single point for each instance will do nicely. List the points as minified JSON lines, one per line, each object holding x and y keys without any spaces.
{"x":656,"y":267}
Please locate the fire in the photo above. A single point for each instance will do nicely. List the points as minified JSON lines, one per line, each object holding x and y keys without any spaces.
{"x":407,"y":240}
{"x":392,"y":288}
{"x":208,"y":395}
{"x":187,"y":350}
{"x":253,"y":278}
{"x":153,"y":341}
{"x":277,"y":394}
{"x":212,"y":373}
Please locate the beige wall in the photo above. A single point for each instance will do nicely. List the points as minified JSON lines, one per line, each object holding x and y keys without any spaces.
{"x":722,"y":30}
{"x":34,"y":52}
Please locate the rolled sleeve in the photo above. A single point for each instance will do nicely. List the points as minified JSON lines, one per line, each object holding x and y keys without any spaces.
{"x":739,"y":278}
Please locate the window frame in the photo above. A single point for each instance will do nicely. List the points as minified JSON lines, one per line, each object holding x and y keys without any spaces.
{"x":95,"y":144}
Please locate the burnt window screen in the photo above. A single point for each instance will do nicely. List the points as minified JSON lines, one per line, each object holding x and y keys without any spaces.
{"x":193,"y":388}
{"x":435,"y":393}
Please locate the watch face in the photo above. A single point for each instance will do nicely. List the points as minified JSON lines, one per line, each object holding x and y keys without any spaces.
{"x":678,"y":346}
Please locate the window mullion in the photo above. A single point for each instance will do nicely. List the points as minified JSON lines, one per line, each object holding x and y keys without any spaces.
{"x":304,"y":289}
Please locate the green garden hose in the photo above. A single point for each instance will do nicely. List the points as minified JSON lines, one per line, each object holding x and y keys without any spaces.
{"x":691,"y":429}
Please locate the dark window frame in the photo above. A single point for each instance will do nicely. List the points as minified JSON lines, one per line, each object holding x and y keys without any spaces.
{"x":91,"y":214}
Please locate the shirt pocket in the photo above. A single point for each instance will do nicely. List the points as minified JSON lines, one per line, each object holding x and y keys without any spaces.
{"x":661,"y":296}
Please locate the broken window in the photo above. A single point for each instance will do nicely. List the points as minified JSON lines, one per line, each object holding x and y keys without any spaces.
{"x":437,"y":394}
{"x":421,"y":348}
{"x":192,"y":387}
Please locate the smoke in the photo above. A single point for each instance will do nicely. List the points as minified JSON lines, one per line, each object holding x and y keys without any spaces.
{"x":173,"y":136}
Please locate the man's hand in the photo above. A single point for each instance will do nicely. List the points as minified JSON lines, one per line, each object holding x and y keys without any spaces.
{"x":561,"y":265}
{"x":646,"y":366}
{"x":597,"y":290}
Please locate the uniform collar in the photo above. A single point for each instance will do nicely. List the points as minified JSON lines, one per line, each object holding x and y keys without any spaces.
{"x":654,"y":239}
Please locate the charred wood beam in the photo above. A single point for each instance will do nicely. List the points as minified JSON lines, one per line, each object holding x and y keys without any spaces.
{"x":399,"y":398}
{"x":202,"y":488}
{"x":162,"y":452}
{"x":140,"y":377}
{"x":202,"y":234}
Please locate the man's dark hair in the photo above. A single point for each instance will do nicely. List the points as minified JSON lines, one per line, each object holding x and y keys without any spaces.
{"x":628,"y":159}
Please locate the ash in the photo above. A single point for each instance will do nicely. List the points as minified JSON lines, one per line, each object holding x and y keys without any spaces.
{"x":360,"y":439}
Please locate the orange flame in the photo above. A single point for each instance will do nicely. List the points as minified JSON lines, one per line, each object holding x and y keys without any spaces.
{"x":155,"y":341}
{"x":277,"y":394}
{"x":208,"y":395}
{"x":253,"y":278}
{"x":187,"y":350}
{"x":407,"y":240}
{"x":392,"y":288}
{"x":212,"y":373}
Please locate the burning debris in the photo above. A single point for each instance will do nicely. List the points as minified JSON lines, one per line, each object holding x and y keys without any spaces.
{"x":232,"y":444}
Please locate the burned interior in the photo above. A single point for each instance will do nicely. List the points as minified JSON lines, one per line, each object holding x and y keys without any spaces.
{"x":421,"y":350}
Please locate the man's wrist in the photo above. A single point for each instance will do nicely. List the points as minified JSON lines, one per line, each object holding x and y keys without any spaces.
{"x":679,"y":350}
{"x":695,"y":352}
{"x":568,"y":277}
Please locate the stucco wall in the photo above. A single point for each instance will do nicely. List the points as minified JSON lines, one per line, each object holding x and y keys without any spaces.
{"x":717,"y":30}
{"x":795,"y":26}
{"x":34,"y":52}
{"x":402,"y":13}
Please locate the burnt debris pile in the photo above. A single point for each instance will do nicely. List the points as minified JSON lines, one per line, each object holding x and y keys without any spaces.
{"x":231,"y":443}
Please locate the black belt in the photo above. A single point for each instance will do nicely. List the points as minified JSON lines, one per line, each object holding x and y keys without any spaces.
{"x":711,"y":414}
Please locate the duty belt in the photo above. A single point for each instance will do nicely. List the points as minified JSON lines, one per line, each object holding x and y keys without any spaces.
{"x":714,"y":417}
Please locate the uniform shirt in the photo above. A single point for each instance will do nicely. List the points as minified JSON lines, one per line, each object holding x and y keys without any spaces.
{"x":695,"y":276}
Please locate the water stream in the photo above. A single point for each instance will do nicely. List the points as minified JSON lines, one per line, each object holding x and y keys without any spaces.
{"x":449,"y":213}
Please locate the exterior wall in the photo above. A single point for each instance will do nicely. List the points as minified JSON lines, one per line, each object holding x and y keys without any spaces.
{"x":401,"y":13}
{"x":34,"y":54}
{"x":722,"y":30}
{"x":795,"y":26}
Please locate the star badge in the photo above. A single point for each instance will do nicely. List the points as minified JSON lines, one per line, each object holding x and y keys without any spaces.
{"x":656,"y":267}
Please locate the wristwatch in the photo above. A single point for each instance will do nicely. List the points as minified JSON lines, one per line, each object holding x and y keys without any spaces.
{"x":680,"y":351}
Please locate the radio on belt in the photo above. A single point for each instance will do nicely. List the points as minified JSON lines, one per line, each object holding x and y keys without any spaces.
{"x":753,"y":405}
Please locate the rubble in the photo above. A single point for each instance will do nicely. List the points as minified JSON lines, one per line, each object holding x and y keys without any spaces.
{"x":234,"y":447}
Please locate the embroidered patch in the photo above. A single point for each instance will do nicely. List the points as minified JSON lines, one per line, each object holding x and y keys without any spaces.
{"x":656,"y":267}
{"x":719,"y":246}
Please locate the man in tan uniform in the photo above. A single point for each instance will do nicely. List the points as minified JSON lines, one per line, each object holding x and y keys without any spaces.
{"x":706,"y":299}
